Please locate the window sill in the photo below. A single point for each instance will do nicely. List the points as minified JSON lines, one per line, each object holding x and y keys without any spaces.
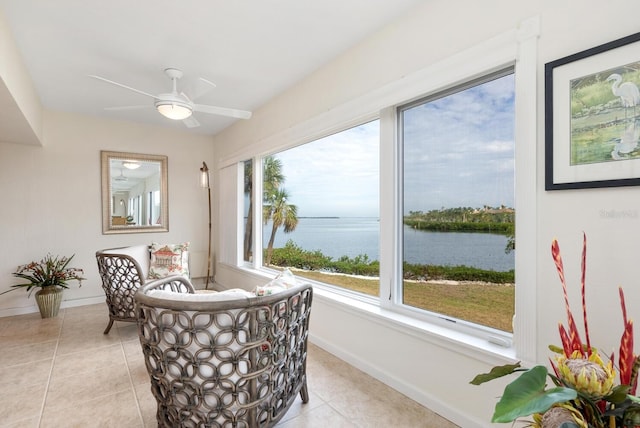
{"x":453,"y":340}
{"x":367,"y":307}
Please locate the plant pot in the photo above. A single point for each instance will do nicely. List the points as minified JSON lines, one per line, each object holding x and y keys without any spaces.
{"x":49,"y":299}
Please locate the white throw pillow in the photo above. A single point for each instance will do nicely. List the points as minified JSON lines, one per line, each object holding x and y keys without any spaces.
{"x":282,"y":282}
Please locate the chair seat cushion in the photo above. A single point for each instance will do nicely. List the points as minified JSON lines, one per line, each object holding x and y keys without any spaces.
{"x":232,"y":294}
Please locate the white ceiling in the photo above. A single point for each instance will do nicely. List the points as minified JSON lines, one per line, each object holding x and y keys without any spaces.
{"x":251,"y":49}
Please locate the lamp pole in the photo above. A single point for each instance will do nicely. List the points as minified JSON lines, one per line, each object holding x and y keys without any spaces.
{"x":204,"y":182}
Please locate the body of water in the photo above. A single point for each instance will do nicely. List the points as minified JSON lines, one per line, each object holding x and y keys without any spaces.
{"x":349,"y":236}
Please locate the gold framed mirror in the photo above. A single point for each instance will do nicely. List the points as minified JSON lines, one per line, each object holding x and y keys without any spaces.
{"x":134,"y":193}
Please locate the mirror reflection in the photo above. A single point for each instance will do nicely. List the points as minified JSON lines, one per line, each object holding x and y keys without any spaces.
{"x":134,"y":193}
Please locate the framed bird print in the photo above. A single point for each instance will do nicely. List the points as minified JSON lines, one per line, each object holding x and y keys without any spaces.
{"x":592,"y":117}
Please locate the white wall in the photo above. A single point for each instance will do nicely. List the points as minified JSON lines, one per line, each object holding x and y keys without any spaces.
{"x":424,"y":369}
{"x":21,"y":119}
{"x":51,"y":199}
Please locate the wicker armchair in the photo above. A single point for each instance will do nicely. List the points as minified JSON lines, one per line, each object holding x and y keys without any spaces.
{"x":223,"y":363}
{"x":123,"y":271}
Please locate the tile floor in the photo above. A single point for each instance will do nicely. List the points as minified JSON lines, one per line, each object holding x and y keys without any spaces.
{"x":63,"y":372}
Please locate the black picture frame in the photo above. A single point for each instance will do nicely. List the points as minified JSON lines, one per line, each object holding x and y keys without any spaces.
{"x":587,"y":142}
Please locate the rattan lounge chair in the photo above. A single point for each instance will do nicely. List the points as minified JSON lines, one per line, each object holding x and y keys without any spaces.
{"x":223,"y":363}
{"x":123,"y":271}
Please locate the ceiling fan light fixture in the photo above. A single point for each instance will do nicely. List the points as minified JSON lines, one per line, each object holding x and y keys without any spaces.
{"x":131,"y":164}
{"x":174,"y":110}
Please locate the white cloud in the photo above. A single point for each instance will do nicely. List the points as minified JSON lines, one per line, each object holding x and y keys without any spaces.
{"x":336,"y":175}
{"x":458,"y":152}
{"x":459,"y":149}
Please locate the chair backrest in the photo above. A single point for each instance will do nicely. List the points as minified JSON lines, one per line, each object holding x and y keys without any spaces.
{"x":123,"y":271}
{"x":140,"y":253}
{"x":219,"y":362}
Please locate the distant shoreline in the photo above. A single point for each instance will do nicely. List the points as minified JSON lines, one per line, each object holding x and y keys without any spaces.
{"x":356,"y":236}
{"x":333,"y":217}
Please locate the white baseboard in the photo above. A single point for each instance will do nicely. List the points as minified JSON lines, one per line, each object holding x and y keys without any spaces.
{"x":65,"y":304}
{"x":418,"y":395}
{"x":83,"y":302}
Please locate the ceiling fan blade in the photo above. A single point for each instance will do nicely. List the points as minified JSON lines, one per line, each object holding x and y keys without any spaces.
{"x":222,"y":111}
{"x":126,"y":108}
{"x":122,"y":86}
{"x":199,"y":88}
{"x":213,"y":85}
{"x":191,"y":122}
{"x":203,"y":89}
{"x":186,"y":97}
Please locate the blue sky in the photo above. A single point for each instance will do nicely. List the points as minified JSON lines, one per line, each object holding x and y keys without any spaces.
{"x":336,"y":175}
{"x":458,"y":152}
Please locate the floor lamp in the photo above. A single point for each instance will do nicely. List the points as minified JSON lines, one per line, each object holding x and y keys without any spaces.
{"x":204,"y":183}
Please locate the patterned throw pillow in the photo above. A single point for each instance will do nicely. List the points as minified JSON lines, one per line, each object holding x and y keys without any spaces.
{"x":169,"y":259}
{"x":283,"y":281}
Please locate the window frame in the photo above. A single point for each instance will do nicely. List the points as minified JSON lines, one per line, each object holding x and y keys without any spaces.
{"x":502,"y":338}
{"x":257,"y":264}
{"x":521,"y":54}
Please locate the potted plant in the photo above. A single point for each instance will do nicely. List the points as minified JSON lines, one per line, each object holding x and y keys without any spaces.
{"x":50,"y":275}
{"x":586,"y":391}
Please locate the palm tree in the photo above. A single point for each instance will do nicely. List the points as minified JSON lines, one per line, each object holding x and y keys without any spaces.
{"x":272,"y":178}
{"x":281,"y":214}
{"x":248,"y":191}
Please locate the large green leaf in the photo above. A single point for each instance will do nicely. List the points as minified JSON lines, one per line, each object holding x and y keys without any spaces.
{"x":495,"y":373}
{"x":527,"y":395}
{"x":619,"y":394}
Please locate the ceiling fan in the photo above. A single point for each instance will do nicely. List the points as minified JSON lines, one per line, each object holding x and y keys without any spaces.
{"x":121,"y":177}
{"x":177,"y":105}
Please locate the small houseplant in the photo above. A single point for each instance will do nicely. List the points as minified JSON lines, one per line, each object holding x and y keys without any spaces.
{"x":50,"y":275}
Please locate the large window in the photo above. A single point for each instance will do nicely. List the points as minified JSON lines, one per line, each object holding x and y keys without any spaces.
{"x":416,"y":210}
{"x":320,"y":205}
{"x":458,"y":151}
{"x":321,"y":209}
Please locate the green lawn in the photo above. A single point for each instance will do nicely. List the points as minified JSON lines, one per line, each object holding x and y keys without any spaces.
{"x":490,"y":305}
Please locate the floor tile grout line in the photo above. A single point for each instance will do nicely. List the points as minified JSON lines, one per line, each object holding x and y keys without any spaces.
{"x":40,"y":420}
{"x":7,"y":366}
{"x":346,"y":418}
{"x":133,"y":387}
{"x":53,"y":361}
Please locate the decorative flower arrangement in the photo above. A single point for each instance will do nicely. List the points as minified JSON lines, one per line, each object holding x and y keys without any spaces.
{"x":585,"y":393}
{"x":49,"y":272}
